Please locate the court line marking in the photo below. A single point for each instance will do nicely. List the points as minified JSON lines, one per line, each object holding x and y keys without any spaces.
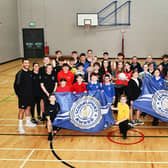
{"x":11,"y":125}
{"x":28,"y":157}
{"x":87,"y":150}
{"x":76,"y":135}
{"x":6,"y":98}
{"x":89,"y":161}
{"x":58,"y":157}
{"x":113,"y":126}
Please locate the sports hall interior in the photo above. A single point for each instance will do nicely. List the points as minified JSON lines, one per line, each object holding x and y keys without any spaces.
{"x":146,"y":146}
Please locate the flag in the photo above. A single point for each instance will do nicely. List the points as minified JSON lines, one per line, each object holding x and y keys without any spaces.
{"x":153,"y":100}
{"x":86,"y":112}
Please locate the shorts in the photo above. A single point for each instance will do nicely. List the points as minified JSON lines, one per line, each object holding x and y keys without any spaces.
{"x":24,"y":101}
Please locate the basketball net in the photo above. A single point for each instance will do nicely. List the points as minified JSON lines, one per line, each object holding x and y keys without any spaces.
{"x":87,"y":27}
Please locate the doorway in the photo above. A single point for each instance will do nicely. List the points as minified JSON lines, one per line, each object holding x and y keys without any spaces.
{"x":33,"y":42}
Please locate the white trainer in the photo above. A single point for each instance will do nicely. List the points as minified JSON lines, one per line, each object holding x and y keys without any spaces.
{"x":30,"y":124}
{"x":21,"y":130}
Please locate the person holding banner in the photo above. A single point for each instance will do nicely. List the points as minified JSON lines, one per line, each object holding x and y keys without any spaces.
{"x":94,"y":84}
{"x":153,"y":99}
{"x":162,"y":86}
{"x":79,"y":86}
{"x":51,"y":112}
{"x":63,"y":87}
{"x":123,"y":116}
{"x":109,"y":89}
{"x":144,"y":72}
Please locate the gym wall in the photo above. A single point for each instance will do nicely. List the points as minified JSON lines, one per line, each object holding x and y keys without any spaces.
{"x":147,"y":34}
{"x":9,"y":31}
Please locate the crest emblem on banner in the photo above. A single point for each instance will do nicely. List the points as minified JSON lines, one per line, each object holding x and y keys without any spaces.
{"x":85,"y":113}
{"x":160,"y":102}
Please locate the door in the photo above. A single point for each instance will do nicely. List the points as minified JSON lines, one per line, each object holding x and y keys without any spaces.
{"x":33,"y":43}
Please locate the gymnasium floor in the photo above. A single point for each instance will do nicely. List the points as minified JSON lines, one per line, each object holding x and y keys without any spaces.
{"x":80,"y":150}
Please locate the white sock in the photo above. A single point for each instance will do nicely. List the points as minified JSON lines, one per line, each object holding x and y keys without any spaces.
{"x":28,"y":119}
{"x":20,"y":123}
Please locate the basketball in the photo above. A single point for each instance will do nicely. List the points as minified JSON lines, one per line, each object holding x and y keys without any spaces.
{"x":122,"y":76}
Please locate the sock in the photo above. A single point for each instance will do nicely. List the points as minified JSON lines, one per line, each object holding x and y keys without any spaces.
{"x":20,"y":123}
{"x":50,"y":136}
{"x":28,"y":119}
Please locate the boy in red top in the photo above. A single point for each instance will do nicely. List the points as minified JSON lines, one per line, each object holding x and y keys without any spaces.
{"x":79,"y":86}
{"x":66,"y":74}
{"x":63,"y":87}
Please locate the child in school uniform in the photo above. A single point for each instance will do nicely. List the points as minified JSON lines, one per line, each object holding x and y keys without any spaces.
{"x":50,"y":114}
{"x":133,"y":91}
{"x":109,"y":89}
{"x":79,"y":86}
{"x":94,"y":84}
{"x":123,"y":116}
{"x":63,"y":87}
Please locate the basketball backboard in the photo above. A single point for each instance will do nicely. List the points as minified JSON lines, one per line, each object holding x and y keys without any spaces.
{"x":84,"y":19}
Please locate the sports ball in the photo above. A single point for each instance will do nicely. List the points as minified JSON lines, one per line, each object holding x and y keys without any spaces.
{"x":122,"y":76}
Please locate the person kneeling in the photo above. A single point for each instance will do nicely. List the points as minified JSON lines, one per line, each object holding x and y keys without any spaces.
{"x":123,"y":116}
{"x":50,"y":114}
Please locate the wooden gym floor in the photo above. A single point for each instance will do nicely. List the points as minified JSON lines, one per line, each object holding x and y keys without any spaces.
{"x":80,"y":150}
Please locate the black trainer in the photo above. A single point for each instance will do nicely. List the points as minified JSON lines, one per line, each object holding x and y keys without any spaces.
{"x":33,"y":120}
{"x":40,"y":119}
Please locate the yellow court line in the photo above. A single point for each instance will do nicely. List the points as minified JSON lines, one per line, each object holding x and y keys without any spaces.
{"x":86,"y":150}
{"x":88,"y":161}
{"x":28,"y":157}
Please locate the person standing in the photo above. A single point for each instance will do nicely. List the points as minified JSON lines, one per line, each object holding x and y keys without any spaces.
{"x":24,"y":91}
{"x":51,"y":113}
{"x":67,"y":74}
{"x":165,"y":64}
{"x":133,"y":91}
{"x":37,"y":93}
{"x":48,"y":84}
{"x":161,"y":86}
{"x":135,"y":65}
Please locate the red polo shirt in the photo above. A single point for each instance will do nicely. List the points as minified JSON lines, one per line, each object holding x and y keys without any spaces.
{"x":67,"y":88}
{"x":79,"y":88}
{"x":69,"y":76}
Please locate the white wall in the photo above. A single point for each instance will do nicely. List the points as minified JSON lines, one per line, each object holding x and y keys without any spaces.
{"x":146,"y":36}
{"x":9,"y":41}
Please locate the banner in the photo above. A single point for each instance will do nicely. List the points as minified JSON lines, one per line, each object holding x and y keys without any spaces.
{"x":153,"y":100}
{"x":86,"y":112}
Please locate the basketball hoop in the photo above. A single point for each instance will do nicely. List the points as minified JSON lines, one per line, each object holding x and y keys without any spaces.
{"x":87,"y":27}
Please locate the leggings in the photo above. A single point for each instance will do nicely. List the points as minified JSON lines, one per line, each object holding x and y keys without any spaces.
{"x":124,"y":127}
{"x":36,"y":101}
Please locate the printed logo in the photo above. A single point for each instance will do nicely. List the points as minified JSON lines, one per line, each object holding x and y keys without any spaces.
{"x":160,"y":102}
{"x":85,"y":112}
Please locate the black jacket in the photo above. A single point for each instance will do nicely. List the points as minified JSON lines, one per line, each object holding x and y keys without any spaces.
{"x":133,"y":91}
{"x":23,"y":83}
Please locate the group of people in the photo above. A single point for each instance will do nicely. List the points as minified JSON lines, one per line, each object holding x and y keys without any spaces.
{"x":117,"y":79}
